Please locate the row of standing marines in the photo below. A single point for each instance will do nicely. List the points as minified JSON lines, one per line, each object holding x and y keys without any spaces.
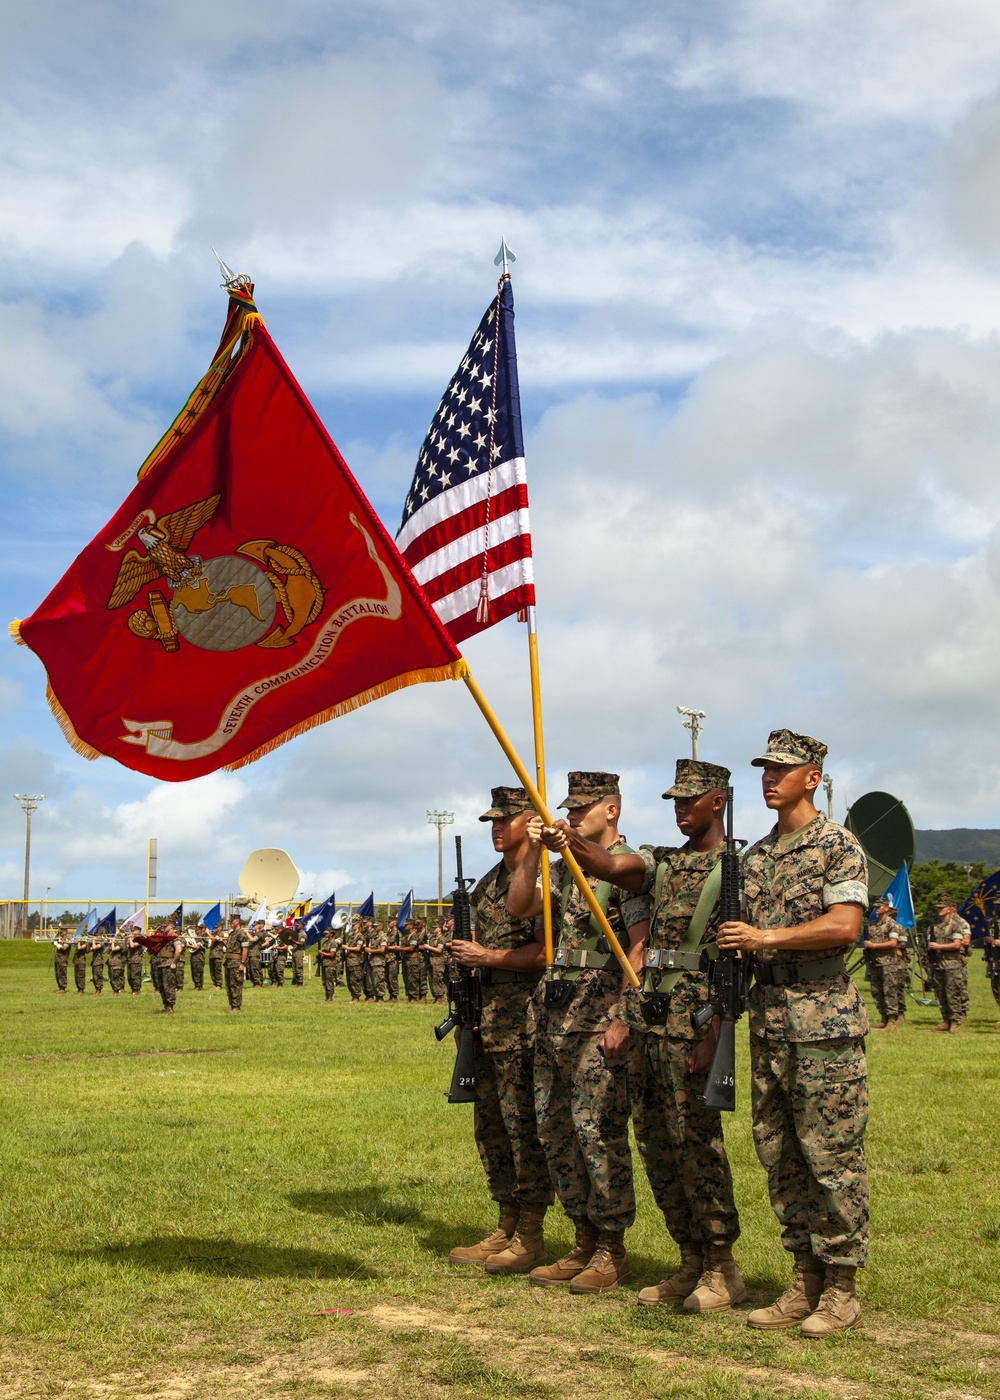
{"x":359,"y":951}
{"x":557,"y":1077}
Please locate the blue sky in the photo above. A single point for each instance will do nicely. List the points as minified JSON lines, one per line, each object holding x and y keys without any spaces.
{"x":757,"y":295}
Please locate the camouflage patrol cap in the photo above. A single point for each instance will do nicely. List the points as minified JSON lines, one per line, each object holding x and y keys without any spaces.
{"x":694,"y":778}
{"x":946,"y":901}
{"x":585,"y":788}
{"x":786,"y":749}
{"x":507,"y":802}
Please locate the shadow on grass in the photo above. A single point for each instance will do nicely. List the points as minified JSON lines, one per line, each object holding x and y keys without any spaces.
{"x":228,"y":1259}
{"x":365,"y":1204}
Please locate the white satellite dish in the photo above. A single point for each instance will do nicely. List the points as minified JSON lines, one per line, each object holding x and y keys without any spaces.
{"x":269,"y":875}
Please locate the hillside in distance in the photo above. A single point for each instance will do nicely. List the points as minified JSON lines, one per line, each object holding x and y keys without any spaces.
{"x":962,"y":844}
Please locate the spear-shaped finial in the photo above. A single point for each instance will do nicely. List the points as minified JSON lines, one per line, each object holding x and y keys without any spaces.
{"x":504,"y":256}
{"x":230,"y":278}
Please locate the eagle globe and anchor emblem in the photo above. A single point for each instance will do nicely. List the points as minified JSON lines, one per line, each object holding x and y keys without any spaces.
{"x":219,"y":604}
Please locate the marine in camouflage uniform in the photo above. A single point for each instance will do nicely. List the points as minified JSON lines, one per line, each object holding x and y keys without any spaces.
{"x":237,"y":951}
{"x":254,"y":966}
{"x":297,"y":948}
{"x":509,"y":961}
{"x":378,"y":942}
{"x":437,"y":963}
{"x":98,"y":949}
{"x":806,"y":888}
{"x":216,"y":956}
{"x":354,"y":953}
{"x":133,"y":962}
{"x":885,"y":944}
{"x":117,"y":950}
{"x":61,"y":946}
{"x":949,"y":941}
{"x":581,"y":1094}
{"x":168,"y":959}
{"x":412,"y":942}
{"x":392,"y":963}
{"x":328,"y":957}
{"x":81,"y":947}
{"x":198,"y":943}
{"x":679,"y":1139}
{"x":280,"y":961}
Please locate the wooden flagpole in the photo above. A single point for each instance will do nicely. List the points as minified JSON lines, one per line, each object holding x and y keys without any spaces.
{"x":538,"y":802}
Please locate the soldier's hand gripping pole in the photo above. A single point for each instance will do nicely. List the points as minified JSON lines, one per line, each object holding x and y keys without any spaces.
{"x":465,"y":997}
{"x":546,"y":816}
{"x":729,"y":983}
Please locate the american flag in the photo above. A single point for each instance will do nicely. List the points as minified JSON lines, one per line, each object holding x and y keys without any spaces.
{"x":464,"y":531}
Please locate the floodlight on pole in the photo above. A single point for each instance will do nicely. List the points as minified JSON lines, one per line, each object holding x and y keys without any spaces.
{"x":828,"y":789}
{"x":693,"y":724}
{"x":29,"y":805}
{"x":440,"y":820}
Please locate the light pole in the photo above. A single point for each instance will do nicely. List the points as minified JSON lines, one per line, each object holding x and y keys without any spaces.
{"x":440,"y":820}
{"x":29,"y":805}
{"x":828,"y":789}
{"x":693,"y":724}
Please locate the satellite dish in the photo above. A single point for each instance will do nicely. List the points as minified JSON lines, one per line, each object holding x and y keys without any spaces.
{"x":269,"y":875}
{"x":884,"y":827}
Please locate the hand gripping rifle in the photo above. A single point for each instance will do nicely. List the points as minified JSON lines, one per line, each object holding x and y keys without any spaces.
{"x":465,"y":997}
{"x":729,"y":983}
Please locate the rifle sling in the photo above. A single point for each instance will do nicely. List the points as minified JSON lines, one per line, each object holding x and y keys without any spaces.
{"x":687,"y":956}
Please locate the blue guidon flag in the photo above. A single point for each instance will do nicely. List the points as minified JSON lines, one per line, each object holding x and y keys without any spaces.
{"x":464,"y":531}
{"x":318,"y":920}
{"x":367,"y":910}
{"x":405,"y":912}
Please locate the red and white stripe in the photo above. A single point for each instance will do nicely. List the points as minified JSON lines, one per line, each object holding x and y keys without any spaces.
{"x":476,"y":526}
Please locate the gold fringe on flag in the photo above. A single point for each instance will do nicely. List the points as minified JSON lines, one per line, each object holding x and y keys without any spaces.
{"x":14,"y":628}
{"x":64,"y":722}
{"x":454,"y":671}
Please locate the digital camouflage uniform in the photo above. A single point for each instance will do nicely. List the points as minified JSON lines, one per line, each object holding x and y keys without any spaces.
{"x":81,"y":948}
{"x":236,"y":940}
{"x":392,"y":964}
{"x":254,"y":967}
{"x":354,"y":954}
{"x":504,"y":1122}
{"x":581,"y":1099}
{"x":60,"y":949}
{"x":298,"y":958}
{"x":133,"y":965}
{"x":378,"y":942}
{"x":809,"y":1077}
{"x":174,"y":949}
{"x":117,"y":949}
{"x":680,"y":1140}
{"x":412,"y":963}
{"x":328,"y":956}
{"x":279,"y":964}
{"x":951,"y":970}
{"x":98,"y":948}
{"x":198,"y":955}
{"x":887,"y":971}
{"x":216,"y":957}
{"x":437,"y":964}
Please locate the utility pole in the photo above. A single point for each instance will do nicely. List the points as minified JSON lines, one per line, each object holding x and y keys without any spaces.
{"x":693,"y":724}
{"x":440,"y":820}
{"x":29,"y":805}
{"x":828,"y":789}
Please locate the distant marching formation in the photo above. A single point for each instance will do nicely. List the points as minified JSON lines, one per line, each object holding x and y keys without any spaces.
{"x":358,"y":950}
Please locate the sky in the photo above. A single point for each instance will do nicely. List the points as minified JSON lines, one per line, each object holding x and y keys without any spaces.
{"x":757,"y":293}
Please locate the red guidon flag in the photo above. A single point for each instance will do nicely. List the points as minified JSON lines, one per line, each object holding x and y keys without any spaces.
{"x":245,"y":590}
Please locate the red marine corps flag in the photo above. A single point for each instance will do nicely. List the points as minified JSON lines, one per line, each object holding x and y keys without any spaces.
{"x":245,"y":590}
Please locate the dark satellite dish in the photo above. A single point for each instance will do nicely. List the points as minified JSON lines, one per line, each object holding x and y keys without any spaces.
{"x":883,"y":826}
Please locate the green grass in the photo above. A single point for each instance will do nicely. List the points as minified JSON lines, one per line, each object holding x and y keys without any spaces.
{"x":183,"y":1195}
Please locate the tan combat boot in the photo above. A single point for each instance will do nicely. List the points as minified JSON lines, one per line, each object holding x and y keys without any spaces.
{"x":890,"y":1025}
{"x":526,"y":1250}
{"x":802,"y":1299}
{"x":838,"y":1308}
{"x":720,"y":1285}
{"x":501,"y":1237}
{"x":883,"y":1025}
{"x":571,"y":1264}
{"x":944,"y":1026}
{"x":608,"y":1265}
{"x":677,"y":1287}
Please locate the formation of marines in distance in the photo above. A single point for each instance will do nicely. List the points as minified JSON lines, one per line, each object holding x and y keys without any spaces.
{"x":358,"y":950}
{"x":562,"y":1066}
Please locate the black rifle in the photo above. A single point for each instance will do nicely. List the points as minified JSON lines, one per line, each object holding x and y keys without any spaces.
{"x":465,"y":997}
{"x":991,"y":955}
{"x":728,"y":986}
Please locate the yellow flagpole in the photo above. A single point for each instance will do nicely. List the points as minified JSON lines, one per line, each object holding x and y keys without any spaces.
{"x":538,"y":802}
{"x":536,"y":720}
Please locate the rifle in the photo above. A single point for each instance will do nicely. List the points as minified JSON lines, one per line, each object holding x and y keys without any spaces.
{"x":729,"y":983}
{"x":465,"y":997}
{"x":991,"y":955}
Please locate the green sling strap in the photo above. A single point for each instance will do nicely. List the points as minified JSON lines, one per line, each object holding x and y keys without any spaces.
{"x":660,"y":975}
{"x":586,"y":956}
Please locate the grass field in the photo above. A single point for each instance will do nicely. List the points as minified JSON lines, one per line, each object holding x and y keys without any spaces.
{"x":183,"y":1196}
